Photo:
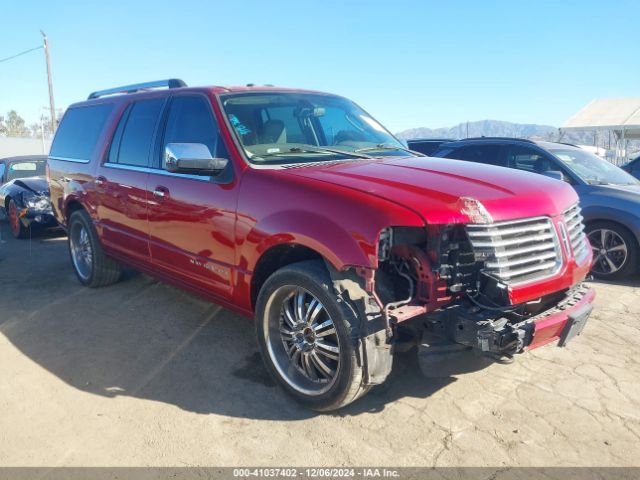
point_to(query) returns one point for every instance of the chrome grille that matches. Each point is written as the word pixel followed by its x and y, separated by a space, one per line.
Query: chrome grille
pixel 517 251
pixel 575 229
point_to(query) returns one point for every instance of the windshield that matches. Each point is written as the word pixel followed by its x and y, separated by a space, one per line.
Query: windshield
pixel 278 128
pixel 592 169
pixel 25 169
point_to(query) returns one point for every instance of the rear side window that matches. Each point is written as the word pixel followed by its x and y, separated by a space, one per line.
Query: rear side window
pixel 487 154
pixel 132 140
pixel 79 132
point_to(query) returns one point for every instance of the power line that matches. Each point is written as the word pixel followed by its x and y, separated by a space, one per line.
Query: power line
pixel 21 53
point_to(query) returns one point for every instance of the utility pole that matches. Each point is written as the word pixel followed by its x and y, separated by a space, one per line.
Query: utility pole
pixel 50 82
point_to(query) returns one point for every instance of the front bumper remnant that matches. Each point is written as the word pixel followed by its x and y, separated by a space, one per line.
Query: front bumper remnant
pixel 467 328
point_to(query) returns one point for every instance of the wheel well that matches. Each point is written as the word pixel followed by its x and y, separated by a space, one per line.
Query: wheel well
pixel 274 259
pixel 72 207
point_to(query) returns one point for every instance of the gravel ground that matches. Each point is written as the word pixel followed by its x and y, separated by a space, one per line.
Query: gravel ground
pixel 142 374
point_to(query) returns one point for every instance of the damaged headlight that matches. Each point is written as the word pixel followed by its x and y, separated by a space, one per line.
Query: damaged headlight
pixel 38 203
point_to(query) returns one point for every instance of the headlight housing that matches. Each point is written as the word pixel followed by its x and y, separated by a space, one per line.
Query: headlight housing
pixel 38 203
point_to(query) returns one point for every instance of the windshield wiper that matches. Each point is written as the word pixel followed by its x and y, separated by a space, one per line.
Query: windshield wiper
pixel 383 146
pixel 355 154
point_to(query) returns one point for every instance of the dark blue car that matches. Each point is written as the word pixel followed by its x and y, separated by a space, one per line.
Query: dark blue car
pixel 633 167
pixel 609 196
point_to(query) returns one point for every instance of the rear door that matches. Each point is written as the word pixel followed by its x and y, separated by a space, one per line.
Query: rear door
pixel 192 218
pixel 122 181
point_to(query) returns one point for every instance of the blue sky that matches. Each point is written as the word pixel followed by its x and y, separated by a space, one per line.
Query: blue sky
pixel 409 63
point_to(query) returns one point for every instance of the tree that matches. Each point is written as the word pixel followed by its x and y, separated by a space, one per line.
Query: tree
pixel 36 129
pixel 15 125
pixel 3 127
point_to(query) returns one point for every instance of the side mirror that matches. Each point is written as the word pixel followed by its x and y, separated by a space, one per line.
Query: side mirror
pixel 555 174
pixel 193 159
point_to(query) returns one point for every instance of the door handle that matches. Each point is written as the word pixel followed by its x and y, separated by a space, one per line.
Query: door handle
pixel 161 193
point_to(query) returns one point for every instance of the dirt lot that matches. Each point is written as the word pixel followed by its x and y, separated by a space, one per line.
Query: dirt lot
pixel 143 374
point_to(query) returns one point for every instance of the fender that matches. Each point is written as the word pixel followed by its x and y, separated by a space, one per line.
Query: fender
pixel 316 231
pixel 604 213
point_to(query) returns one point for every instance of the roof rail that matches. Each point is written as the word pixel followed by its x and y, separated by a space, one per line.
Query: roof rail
pixel 169 83
pixel 498 138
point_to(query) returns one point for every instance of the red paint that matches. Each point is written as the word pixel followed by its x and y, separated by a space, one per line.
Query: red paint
pixel 549 328
pixel 209 237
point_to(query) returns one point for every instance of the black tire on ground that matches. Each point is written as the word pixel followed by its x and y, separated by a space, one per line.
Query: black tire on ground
pixel 347 384
pixel 101 269
pixel 630 265
pixel 13 215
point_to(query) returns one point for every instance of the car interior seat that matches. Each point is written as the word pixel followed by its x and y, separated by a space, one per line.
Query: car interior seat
pixel 273 131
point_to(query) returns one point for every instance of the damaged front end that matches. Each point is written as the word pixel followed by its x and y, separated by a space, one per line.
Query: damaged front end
pixel 488 290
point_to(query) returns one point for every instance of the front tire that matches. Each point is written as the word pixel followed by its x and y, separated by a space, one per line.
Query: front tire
pixel 17 228
pixel 615 251
pixel 91 265
pixel 308 337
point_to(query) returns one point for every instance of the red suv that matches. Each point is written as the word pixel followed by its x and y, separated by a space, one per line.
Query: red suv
pixel 301 210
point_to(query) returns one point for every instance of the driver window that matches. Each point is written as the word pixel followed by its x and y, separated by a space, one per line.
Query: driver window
pixel 190 121
pixel 523 158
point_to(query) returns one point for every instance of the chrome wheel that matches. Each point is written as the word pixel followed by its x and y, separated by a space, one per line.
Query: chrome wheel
pixel 610 251
pixel 302 340
pixel 81 250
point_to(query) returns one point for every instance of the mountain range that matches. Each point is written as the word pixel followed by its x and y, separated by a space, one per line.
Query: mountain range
pixel 498 128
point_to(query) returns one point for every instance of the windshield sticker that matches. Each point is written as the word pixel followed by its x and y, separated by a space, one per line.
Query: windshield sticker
pixel 240 128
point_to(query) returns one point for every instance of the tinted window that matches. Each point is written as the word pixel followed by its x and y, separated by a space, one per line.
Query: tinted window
pixel 117 136
pixel 528 159
pixel 426 147
pixel 2 167
pixel 79 132
pixel 24 169
pixel 190 120
pixel 137 136
pixel 488 154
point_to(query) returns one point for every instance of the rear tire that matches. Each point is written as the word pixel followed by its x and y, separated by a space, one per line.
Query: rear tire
pixel 92 266
pixel 309 338
pixel 615 251
pixel 13 215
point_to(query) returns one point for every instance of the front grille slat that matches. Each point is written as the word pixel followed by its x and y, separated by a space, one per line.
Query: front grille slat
pixel 514 241
pixel 543 267
pixel 517 251
pixel 574 221
pixel 521 261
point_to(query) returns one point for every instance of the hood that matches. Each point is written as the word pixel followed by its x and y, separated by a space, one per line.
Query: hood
pixel 625 193
pixel 433 187
pixel 37 185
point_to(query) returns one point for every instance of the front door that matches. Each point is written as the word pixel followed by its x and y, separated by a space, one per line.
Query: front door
pixel 192 218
